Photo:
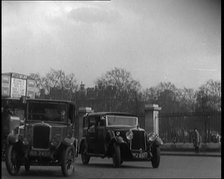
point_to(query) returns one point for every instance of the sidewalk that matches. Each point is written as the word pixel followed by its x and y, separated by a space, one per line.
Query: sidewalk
pixel 187 149
pixel 187 153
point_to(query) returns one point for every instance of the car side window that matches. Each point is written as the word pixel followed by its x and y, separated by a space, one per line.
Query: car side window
pixel 92 121
pixel 92 124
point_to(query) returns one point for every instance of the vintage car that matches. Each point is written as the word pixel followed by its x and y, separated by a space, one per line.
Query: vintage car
pixel 118 136
pixel 45 137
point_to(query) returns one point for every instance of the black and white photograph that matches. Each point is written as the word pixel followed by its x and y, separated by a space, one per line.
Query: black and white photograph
pixel 111 89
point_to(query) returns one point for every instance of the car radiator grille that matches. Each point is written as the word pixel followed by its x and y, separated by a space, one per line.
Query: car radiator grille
pixel 138 141
pixel 41 137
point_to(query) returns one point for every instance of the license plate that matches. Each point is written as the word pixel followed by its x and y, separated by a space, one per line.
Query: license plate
pixel 140 155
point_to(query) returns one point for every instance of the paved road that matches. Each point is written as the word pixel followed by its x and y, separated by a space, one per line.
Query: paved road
pixel 171 167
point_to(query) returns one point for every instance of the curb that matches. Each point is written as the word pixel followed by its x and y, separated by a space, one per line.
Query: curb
pixel 191 154
pixel 190 145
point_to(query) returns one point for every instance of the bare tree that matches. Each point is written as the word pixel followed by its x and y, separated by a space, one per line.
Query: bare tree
pixel 170 98
pixel 208 96
pixel 187 99
pixel 119 88
pixel 39 83
pixel 57 84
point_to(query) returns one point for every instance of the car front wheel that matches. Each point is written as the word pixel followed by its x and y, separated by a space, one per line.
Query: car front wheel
pixel 155 157
pixel 68 161
pixel 12 160
pixel 116 156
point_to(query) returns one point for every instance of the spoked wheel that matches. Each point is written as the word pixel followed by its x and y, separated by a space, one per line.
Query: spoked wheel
pixel 85 157
pixel 68 161
pixel 155 157
pixel 12 160
pixel 116 156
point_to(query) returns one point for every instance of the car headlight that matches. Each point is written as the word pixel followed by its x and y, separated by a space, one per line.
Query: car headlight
pixel 151 136
pixel 129 135
pixel 25 141
pixel 55 140
pixel 117 133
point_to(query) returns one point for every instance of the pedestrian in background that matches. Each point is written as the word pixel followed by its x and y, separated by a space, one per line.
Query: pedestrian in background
pixel 196 140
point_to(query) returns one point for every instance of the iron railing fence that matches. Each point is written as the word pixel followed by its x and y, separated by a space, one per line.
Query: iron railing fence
pixel 178 127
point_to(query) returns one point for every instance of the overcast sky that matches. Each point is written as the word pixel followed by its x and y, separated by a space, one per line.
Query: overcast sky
pixel 156 40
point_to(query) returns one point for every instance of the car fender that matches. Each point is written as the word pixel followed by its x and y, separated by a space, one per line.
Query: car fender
pixel 119 139
pixel 69 141
pixel 154 139
pixel 72 142
pixel 13 138
pixel 114 138
pixel 123 146
pixel 158 141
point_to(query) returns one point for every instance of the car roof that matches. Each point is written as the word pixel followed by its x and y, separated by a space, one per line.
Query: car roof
pixel 50 100
pixel 110 113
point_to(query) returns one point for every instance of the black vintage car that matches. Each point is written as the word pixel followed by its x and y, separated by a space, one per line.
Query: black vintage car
pixel 45 137
pixel 118 136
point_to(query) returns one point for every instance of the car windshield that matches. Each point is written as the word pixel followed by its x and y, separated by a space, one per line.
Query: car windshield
pixel 47 111
pixel 114 120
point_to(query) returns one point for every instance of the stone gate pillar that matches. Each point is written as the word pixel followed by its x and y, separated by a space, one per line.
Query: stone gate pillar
pixel 82 111
pixel 152 118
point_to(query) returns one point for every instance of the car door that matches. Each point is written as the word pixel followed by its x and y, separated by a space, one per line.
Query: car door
pixel 70 120
pixel 91 134
pixel 101 133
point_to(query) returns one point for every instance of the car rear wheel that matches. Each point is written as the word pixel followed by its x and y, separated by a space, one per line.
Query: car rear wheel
pixel 12 160
pixel 155 157
pixel 85 157
pixel 116 156
pixel 68 161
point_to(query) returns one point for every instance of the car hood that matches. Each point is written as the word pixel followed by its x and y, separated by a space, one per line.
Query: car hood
pixel 125 128
pixel 47 123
